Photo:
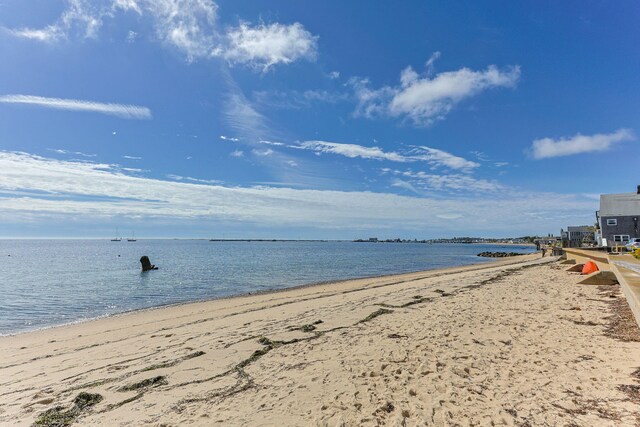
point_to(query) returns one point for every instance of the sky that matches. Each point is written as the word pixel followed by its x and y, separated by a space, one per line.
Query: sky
pixel 306 120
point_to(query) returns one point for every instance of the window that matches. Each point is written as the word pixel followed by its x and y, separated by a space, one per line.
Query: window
pixel 612 222
pixel 621 238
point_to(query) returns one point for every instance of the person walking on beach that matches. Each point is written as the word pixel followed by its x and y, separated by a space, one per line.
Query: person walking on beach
pixel 544 251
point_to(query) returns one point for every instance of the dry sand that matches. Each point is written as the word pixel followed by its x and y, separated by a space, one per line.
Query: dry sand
pixel 512 343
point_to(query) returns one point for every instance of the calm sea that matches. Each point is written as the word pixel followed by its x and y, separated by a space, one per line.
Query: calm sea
pixel 51 282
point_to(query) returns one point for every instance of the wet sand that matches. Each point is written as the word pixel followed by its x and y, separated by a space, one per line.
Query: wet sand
pixel 515 342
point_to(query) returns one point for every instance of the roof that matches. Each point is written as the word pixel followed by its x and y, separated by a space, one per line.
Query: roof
pixel 625 204
pixel 578 228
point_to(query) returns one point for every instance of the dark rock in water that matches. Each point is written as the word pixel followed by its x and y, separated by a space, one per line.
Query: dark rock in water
pixel 146 264
pixel 498 254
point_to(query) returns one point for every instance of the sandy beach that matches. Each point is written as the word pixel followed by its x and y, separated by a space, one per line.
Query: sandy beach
pixel 516 342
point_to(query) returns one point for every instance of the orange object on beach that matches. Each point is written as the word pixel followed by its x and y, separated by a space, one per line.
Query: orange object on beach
pixel 589 267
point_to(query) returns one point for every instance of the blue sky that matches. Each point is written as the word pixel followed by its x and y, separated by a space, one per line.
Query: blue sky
pixel 195 118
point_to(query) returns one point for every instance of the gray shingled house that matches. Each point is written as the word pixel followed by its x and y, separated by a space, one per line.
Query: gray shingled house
pixel 577 236
pixel 618 218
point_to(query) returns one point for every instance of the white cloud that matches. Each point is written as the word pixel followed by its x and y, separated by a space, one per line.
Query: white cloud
pixel 131 36
pixel 237 153
pixel 81 17
pixel 133 170
pixel 77 153
pixel 264 46
pixel 351 150
pixel 48 34
pixel 549 147
pixel 425 99
pixel 120 110
pixel 450 216
pixel 262 153
pixel 187 25
pixel 442 158
pixel 404 184
pixel 455 182
pixel 481 156
pixel 333 75
pixel 430 65
pixel 132 157
pixel 433 156
pixel 275 143
pixel 241 117
pixel 228 138
pixel 190 179
pixel 38 187
pixel 370 102
pixel 127 5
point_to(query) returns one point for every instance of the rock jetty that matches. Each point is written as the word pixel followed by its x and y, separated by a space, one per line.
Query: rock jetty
pixel 498 254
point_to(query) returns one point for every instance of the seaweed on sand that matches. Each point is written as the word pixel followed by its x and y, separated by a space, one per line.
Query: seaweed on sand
pixel 375 314
pixel 60 417
pixel 173 362
pixel 149 382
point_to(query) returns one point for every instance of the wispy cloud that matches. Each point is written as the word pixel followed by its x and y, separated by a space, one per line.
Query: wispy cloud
pixel 351 150
pixel 274 143
pixel 426 98
pixel 237 153
pixel 77 153
pixel 81 17
pixel 242 118
pixel 438 157
pixel 262 153
pixel 228 138
pixel 294 99
pixel 131 170
pixel 548 147
pixel 481 156
pixel 197 180
pixel 433 156
pixel 132 158
pixel 396 182
pixel 124 111
pixel 264 46
pixel 48 34
pixel 187 25
pixel 41 187
pixel 190 26
pixel 131 36
pixel 448 182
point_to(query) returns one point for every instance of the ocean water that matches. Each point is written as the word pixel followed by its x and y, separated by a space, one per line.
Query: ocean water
pixel 52 282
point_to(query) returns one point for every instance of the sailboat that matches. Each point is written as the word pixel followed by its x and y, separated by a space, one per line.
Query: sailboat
pixel 133 237
pixel 116 239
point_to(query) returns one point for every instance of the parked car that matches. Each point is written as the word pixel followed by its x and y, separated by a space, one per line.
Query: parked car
pixel 633 244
